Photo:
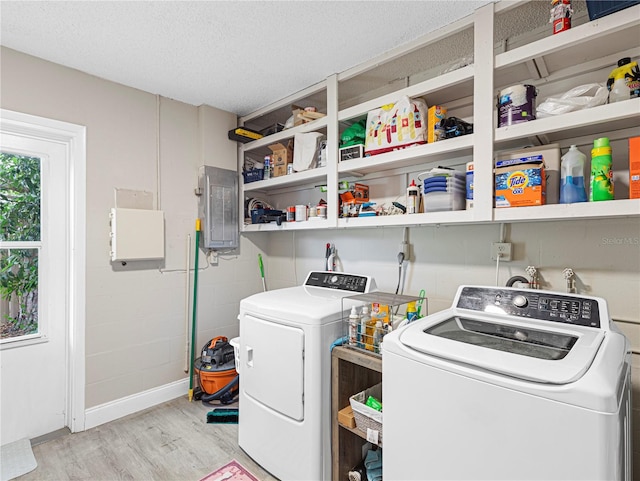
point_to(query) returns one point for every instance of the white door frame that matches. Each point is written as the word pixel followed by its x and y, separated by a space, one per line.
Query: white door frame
pixel 74 137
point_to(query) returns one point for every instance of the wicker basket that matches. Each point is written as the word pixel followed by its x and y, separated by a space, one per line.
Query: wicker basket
pixel 366 417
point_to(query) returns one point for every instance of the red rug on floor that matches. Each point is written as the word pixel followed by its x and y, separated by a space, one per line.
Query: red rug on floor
pixel 233 471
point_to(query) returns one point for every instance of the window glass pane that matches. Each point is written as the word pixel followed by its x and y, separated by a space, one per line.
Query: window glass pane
pixel 18 292
pixel 19 198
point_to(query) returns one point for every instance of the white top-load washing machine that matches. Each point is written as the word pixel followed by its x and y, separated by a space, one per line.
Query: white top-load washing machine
pixel 508 384
pixel 285 373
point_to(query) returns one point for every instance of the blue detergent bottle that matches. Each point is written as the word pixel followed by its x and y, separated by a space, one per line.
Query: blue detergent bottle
pixel 572 177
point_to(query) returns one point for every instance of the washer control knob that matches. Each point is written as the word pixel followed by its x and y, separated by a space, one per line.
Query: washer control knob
pixel 520 301
pixel 333 279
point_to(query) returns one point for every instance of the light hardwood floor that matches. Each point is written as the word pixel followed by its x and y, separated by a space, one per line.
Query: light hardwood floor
pixel 171 441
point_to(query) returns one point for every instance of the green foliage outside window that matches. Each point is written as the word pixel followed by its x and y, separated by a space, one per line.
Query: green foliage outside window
pixel 20 222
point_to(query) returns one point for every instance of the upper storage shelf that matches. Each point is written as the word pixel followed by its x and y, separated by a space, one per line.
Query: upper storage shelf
pixel 515 45
pixel 430 57
pixel 592 45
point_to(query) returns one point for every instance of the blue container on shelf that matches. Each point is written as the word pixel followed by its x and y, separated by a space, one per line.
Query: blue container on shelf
pixel 602 8
pixel 253 175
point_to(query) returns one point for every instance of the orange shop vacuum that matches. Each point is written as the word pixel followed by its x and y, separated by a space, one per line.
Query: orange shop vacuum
pixel 216 372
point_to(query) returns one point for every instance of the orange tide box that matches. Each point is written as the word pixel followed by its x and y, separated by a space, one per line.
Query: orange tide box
pixel 520 182
pixel 634 168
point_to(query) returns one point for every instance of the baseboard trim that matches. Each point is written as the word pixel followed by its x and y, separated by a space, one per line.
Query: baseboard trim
pixel 113 410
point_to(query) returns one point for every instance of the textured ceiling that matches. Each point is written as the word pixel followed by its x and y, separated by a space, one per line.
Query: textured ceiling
pixel 234 55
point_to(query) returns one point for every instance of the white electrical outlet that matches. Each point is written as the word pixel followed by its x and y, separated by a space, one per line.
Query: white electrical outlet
pixel 503 249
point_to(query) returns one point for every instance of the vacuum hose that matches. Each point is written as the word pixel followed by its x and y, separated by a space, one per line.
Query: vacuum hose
pixel 224 395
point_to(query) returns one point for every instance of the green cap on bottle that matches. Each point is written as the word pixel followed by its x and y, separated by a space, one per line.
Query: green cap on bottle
pixel 601 142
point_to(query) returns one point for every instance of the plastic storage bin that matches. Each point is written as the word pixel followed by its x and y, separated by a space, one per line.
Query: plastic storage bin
pixel 253 175
pixel 366 417
pixel 602 8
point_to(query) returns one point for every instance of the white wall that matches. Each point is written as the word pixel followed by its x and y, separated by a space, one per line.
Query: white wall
pixel 135 315
pixel 604 254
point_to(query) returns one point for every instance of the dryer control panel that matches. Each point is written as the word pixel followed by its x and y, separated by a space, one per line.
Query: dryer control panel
pixel 340 280
pixel 547 306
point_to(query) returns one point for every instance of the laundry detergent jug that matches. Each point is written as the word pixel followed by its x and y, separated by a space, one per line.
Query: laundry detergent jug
pixel 572 177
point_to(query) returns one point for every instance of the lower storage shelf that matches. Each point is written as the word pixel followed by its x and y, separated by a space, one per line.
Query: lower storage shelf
pixel 352 371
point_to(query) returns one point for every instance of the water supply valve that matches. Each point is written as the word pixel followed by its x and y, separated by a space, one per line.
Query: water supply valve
pixel 569 277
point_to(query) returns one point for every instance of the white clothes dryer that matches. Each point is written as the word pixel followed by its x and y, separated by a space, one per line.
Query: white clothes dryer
pixel 508 384
pixel 285 373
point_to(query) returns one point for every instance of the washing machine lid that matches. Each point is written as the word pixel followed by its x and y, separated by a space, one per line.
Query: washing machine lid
pixel 528 349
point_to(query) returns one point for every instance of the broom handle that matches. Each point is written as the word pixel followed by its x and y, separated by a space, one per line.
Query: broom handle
pixel 193 320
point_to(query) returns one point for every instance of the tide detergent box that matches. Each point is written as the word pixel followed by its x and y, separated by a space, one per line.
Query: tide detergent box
pixel 520 182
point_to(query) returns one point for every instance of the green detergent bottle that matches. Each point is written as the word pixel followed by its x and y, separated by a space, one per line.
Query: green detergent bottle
pixel 601 174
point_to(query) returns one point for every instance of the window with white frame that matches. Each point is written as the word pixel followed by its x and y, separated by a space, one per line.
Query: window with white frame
pixel 20 244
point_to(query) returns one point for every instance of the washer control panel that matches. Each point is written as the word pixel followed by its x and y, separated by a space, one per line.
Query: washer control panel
pixel 339 280
pixel 533 304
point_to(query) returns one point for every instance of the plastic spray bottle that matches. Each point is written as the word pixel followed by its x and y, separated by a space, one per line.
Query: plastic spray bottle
pixel 601 174
pixel 629 71
pixel 572 177
pixel 412 198
pixel 365 319
pixel 354 326
pixel 619 89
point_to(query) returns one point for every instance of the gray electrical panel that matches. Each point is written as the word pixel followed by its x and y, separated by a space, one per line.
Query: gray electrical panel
pixel 218 207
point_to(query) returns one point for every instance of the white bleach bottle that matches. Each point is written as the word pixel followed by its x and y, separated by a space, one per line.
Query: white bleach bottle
pixel 572 177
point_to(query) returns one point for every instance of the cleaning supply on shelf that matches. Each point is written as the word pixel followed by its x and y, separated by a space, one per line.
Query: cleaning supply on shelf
pixel 619 89
pixel 267 167
pixel 354 323
pixel 601 183
pixel 469 186
pixel 631 75
pixel 412 312
pixel 516 104
pixel 373 403
pixel 365 319
pixel 378 333
pixel 413 193
pixel 572 177
pixel 520 182
pixel 634 168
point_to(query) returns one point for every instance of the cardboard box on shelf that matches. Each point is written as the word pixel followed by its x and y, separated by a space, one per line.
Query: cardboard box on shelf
pixel 634 168
pixel 435 114
pixel 281 156
pixel 346 417
pixel 551 156
pixel 361 193
pixel 520 182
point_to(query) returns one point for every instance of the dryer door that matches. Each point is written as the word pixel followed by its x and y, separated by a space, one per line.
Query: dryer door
pixel 268 351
